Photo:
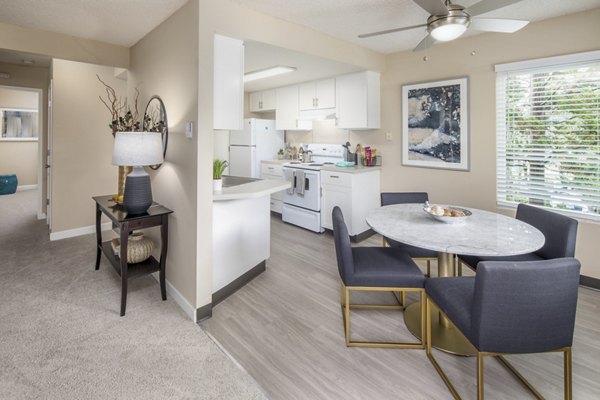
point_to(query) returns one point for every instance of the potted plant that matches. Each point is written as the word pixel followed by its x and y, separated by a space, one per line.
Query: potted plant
pixel 280 154
pixel 218 168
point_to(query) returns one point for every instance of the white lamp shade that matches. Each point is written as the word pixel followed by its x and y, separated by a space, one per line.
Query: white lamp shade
pixel 137 149
pixel 447 32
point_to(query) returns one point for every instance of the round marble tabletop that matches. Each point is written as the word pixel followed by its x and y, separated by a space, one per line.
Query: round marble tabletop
pixel 483 233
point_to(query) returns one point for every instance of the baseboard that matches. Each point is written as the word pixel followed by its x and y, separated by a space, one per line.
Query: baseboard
pixel 234 286
pixel 86 230
pixel 590 282
pixel 21 188
pixel 181 301
pixel 204 312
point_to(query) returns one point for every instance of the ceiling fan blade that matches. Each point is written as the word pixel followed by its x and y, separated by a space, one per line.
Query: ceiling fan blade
pixel 433 7
pixel 426 43
pixel 497 24
pixel 488 5
pixel 366 35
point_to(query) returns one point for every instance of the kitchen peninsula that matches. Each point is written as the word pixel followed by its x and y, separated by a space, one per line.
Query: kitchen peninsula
pixel 241 231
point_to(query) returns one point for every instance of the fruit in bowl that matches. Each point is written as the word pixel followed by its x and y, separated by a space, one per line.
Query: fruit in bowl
pixel 447 214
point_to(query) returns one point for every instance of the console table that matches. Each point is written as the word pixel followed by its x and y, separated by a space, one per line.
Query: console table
pixel 156 215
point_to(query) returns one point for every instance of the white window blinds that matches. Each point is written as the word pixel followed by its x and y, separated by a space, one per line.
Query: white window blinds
pixel 548 136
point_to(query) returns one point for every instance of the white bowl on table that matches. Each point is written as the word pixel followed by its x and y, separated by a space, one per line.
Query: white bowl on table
pixel 458 219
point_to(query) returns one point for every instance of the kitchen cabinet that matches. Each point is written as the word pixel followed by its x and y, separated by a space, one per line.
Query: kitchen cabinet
pixel 262 101
pixel 273 171
pixel 286 110
pixel 358 100
pixel 317 95
pixel 228 83
pixel 356 193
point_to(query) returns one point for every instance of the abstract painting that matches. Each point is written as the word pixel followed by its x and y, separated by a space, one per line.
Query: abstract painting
pixel 435 132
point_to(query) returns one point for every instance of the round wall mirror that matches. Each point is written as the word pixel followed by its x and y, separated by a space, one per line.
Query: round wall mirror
pixel 155 120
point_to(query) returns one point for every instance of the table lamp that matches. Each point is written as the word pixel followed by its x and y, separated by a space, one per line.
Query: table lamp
pixel 137 149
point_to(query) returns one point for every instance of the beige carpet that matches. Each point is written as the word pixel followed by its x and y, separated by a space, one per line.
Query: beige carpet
pixel 61 336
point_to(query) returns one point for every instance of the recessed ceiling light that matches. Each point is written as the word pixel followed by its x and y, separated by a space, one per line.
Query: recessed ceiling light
pixel 267 72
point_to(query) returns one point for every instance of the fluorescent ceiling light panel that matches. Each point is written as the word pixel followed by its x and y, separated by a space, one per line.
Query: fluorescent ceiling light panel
pixel 267 73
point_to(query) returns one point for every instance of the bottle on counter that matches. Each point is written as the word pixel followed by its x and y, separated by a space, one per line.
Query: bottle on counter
pixel 358 155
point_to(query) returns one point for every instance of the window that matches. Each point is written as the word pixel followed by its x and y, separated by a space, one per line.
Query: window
pixel 548 133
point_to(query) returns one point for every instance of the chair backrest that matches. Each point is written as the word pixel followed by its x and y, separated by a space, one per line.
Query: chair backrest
pixel 524 307
pixel 403 198
pixel 343 248
pixel 559 230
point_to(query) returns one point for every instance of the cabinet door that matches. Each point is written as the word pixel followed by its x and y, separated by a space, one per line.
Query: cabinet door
pixel 307 96
pixel 336 196
pixel 268 102
pixel 228 83
pixel 357 100
pixel 325 93
pixel 286 113
pixel 254 100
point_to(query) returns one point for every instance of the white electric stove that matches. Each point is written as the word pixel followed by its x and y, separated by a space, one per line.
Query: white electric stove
pixel 302 202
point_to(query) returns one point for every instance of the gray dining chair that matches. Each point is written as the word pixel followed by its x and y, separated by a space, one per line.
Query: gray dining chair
pixel 417 253
pixel 559 231
pixel 537 317
pixel 378 269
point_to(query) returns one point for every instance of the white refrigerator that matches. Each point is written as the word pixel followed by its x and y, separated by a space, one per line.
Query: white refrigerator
pixel 247 148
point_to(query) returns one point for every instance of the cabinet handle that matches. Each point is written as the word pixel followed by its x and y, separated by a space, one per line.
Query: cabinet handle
pixel 271 168
pixel 317 100
pixel 334 176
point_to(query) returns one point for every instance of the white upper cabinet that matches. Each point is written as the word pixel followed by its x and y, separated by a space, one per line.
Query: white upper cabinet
pixel 262 101
pixel 358 101
pixel 317 95
pixel 286 111
pixel 228 85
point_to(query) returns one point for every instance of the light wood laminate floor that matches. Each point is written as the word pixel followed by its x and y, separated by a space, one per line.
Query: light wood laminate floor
pixel 285 328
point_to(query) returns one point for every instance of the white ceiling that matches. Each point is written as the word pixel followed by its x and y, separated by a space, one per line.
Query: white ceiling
pixel 346 19
pixel 120 22
pixel 260 56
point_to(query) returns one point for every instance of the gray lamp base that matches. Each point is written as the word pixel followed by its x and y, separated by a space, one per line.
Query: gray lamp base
pixel 138 192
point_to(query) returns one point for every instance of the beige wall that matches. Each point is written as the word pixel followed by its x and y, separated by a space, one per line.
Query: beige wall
pixel 476 188
pixel 36 78
pixel 20 158
pixel 165 63
pixel 62 46
pixel 15 98
pixel 81 142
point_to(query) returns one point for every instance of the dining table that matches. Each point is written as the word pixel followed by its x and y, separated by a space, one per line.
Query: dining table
pixel 482 233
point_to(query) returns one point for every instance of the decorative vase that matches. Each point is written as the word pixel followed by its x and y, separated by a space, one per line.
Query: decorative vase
pixel 139 248
pixel 217 185
pixel 123 172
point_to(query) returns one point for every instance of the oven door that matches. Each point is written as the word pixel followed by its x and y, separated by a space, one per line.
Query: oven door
pixel 307 189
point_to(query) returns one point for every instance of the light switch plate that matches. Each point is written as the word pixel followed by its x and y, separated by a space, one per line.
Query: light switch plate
pixel 189 129
pixel 388 136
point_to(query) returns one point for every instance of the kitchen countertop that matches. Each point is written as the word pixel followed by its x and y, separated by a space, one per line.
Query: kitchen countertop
pixel 278 162
pixel 250 190
pixel 349 170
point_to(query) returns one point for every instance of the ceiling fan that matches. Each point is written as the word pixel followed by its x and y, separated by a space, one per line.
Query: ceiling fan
pixel 448 21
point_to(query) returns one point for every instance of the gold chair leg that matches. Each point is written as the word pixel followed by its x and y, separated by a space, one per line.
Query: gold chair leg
pixel 520 377
pixel 568 363
pixel 347 316
pixel 424 320
pixel 479 376
pixel 385 243
pixel 342 298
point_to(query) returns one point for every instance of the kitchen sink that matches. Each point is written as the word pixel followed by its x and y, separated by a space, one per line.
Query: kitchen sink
pixel 229 181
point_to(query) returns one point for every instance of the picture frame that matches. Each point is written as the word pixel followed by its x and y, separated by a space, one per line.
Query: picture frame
pixel 435 124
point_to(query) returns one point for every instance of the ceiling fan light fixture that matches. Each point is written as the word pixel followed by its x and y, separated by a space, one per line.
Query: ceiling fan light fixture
pixel 447 32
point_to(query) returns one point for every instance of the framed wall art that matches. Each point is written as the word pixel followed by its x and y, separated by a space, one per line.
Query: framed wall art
pixel 435 124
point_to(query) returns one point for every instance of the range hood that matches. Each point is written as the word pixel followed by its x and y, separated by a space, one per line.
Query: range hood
pixel 317 115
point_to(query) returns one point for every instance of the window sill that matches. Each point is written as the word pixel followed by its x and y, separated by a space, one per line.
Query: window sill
pixel 582 217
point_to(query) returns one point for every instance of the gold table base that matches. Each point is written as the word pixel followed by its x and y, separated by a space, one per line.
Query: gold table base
pixel 445 338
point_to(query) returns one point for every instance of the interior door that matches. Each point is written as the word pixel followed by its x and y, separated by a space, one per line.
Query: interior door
pixel 48 165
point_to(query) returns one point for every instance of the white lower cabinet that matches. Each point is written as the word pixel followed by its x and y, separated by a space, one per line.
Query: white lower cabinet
pixel 273 171
pixel 355 193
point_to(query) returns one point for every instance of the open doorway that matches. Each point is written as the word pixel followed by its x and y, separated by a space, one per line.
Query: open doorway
pixel 21 121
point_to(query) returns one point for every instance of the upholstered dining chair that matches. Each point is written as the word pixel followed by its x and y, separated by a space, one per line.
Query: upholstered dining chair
pixel 374 269
pixel 559 230
pixel 417 253
pixel 537 317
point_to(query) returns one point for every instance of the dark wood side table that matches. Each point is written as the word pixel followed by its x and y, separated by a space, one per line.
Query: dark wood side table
pixel 156 215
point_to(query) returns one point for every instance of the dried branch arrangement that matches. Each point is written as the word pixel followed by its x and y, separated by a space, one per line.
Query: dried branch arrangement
pixel 123 119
